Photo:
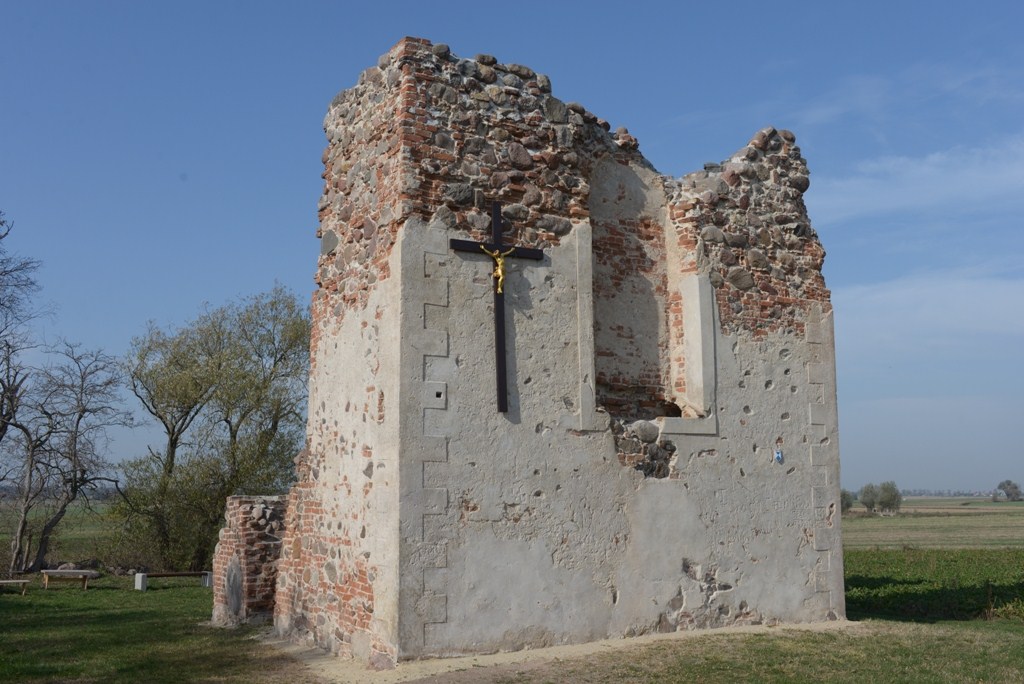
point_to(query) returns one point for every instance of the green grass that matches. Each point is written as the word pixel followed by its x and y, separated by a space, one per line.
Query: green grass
pixel 111 633
pixel 934 584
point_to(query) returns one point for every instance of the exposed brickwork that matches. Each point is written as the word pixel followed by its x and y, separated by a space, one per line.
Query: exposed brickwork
pixel 245 562
pixel 632 361
pixel 325 589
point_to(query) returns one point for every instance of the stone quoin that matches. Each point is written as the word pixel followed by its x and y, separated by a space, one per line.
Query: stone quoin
pixel 669 457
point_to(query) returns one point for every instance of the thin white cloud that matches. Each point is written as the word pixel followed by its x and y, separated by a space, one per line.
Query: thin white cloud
pixel 958 180
pixel 988 85
pixel 891 97
pixel 951 313
pixel 868 97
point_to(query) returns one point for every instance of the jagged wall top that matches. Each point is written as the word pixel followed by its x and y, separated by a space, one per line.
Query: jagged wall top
pixel 426 133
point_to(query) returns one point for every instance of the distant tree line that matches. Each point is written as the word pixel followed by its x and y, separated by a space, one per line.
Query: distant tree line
pixel 886 497
pixel 883 498
pixel 947 492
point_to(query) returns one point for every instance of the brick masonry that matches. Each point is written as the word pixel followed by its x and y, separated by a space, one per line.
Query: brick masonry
pixel 246 559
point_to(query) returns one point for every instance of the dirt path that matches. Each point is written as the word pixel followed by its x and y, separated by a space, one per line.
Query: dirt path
pixel 505 666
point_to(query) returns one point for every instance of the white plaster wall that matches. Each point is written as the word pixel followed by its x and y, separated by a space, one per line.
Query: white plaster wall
pixel 521 530
pixel 735 517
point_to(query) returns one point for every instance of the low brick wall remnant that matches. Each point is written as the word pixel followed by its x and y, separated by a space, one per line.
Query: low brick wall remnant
pixel 245 561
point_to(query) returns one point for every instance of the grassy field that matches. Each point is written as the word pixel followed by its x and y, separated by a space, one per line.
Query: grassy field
pixel 922 614
pixel 111 633
pixel 83 533
pixel 949 523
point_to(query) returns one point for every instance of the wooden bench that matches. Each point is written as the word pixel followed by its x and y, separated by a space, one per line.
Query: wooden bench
pixel 23 583
pixel 142 578
pixel 82 576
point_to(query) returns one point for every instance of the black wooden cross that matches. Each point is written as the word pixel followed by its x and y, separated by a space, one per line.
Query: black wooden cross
pixel 498 252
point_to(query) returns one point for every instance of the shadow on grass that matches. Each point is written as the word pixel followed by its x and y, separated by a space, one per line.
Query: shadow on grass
pixel 920 603
pixel 929 585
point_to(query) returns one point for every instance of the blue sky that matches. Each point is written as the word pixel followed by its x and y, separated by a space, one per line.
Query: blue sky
pixel 156 156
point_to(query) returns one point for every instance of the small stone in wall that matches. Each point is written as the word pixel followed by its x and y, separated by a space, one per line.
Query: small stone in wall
pixel 712 234
pixel 736 239
pixel 555 224
pixel 519 157
pixel 555 110
pixel 757 259
pixel 645 430
pixel 800 183
pixel 487 74
pixel 520 70
pixel 515 212
pixel 329 242
pixel 445 217
pixel 740 278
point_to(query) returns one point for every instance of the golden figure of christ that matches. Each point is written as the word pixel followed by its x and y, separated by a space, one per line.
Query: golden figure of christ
pixel 499 265
pixel 498 254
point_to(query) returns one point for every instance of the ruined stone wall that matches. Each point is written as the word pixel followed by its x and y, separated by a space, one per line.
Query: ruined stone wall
pixel 339 560
pixel 245 560
pixel 676 335
pixel 746 220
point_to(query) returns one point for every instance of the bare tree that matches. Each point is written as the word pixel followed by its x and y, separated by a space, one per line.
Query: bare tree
pixel 17 284
pixel 58 441
pixel 53 418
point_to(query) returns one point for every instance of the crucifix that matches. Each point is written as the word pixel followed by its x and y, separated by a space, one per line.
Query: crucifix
pixel 498 252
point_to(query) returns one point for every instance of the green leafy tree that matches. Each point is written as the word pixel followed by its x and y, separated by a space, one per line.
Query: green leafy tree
pixel 889 497
pixel 229 392
pixel 1011 490
pixel 845 500
pixel 868 496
